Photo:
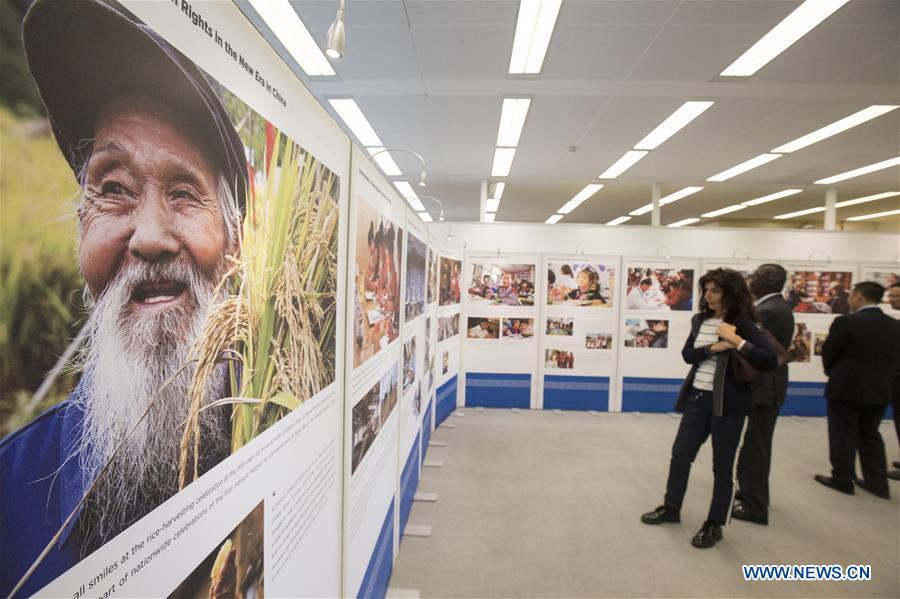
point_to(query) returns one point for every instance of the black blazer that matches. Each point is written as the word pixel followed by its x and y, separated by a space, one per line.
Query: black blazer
pixel 729 395
pixel 776 316
pixel 860 355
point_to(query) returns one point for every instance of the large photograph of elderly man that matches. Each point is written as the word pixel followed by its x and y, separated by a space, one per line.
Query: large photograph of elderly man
pixel 169 269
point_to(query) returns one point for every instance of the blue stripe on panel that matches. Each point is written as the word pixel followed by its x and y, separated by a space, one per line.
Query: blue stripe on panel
pixel 576 393
pixel 494 390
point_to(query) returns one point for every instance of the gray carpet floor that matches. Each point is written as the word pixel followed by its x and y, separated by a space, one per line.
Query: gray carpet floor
pixel 535 504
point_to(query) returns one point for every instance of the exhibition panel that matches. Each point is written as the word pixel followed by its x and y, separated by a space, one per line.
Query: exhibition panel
pixel 430 341
pixel 201 447
pixel 447 314
pixel 500 308
pixel 579 330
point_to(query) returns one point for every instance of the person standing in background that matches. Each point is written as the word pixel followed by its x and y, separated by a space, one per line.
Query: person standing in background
pixel 893 294
pixel 860 356
pixel 769 393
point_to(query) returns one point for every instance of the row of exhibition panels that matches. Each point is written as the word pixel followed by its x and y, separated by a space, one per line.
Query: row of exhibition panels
pixel 582 333
pixel 334 479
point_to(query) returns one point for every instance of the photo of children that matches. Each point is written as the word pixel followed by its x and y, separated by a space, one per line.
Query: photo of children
pixel 818 292
pixel 800 344
pixel 820 341
pixel 448 327
pixel 445 362
pixel 576 284
pixel 646 333
pixel 660 289
pixel 451 271
pixel 432 276
pixel 483 328
pixel 559 358
pixel 560 326
pixel 415 276
pixel 377 292
pixel 505 284
pixel 370 413
pixel 409 363
pixel 234 569
pixel 518 328
pixel 598 341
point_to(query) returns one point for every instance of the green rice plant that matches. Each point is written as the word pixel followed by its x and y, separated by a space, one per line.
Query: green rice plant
pixel 276 327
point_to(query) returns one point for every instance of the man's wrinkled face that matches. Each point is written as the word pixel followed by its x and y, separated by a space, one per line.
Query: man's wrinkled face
pixel 150 196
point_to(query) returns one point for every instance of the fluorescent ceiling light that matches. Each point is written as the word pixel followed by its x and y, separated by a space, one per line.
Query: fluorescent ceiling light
pixel 580 197
pixel 864 199
pixel 354 118
pixel 489 217
pixel 554 219
pixel 623 164
pixel 491 205
pixel 503 158
pixel 726 210
pixel 293 34
pixel 498 189
pixel 642 210
pixel 416 204
pixel 858 118
pixel 771 197
pixel 426 217
pixel 534 27
pixel 405 189
pixel 744 167
pixel 863 170
pixel 681 193
pixel 512 119
pixel 618 221
pixel 672 125
pixel 800 213
pixel 875 215
pixel 782 36
pixel 681 223
pixel 385 162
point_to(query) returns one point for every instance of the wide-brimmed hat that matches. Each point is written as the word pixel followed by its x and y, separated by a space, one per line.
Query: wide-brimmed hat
pixel 83 54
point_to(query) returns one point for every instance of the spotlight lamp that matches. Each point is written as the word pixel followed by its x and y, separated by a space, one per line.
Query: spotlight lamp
pixel 336 38
pixel 422 176
pixel 440 203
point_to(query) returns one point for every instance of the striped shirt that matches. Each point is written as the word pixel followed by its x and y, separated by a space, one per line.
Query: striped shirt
pixel 706 371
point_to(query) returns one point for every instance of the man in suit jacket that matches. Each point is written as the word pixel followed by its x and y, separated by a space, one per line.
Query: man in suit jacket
pixel 859 356
pixel 893 294
pixel 769 392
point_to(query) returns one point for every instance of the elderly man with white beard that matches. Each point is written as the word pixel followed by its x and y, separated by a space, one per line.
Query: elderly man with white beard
pixel 163 175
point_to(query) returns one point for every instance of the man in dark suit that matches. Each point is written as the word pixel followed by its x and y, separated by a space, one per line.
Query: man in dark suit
pixel 859 356
pixel 893 294
pixel 769 392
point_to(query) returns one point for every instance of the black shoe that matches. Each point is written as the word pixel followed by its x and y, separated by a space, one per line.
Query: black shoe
pixel 833 484
pixel 895 464
pixel 708 535
pixel 660 515
pixel 894 474
pixel 741 512
pixel 865 486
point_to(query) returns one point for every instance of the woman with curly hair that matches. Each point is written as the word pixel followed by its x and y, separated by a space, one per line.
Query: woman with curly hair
pixel 714 403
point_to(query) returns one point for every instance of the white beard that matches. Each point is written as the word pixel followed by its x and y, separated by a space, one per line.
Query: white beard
pixel 129 359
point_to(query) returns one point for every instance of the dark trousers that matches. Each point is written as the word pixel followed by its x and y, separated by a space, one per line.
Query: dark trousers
pixel 852 427
pixel 755 459
pixel 897 414
pixel 697 424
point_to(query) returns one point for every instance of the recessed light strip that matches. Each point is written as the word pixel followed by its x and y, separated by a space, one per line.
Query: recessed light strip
pixel 629 159
pixel 503 159
pixel 618 221
pixel 553 219
pixel 491 205
pixel 800 213
pixel 744 167
pixel 534 28
pixel 875 215
pixel 672 125
pixel 580 197
pixel 863 170
pixel 353 117
pixel 864 199
pixel 681 193
pixel 286 25
pixel 512 119
pixel 489 217
pixel 771 197
pixel 858 118
pixel 425 217
pixel 726 210
pixel 385 162
pixel 682 223
pixel 797 24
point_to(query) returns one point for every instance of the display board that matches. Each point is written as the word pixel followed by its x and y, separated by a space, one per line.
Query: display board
pixel 447 315
pixel 429 376
pixel 658 298
pixel 374 380
pixel 500 309
pixel 578 330
pixel 151 479
pixel 886 273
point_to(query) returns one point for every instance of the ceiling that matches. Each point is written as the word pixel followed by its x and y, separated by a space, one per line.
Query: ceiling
pixel 430 76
